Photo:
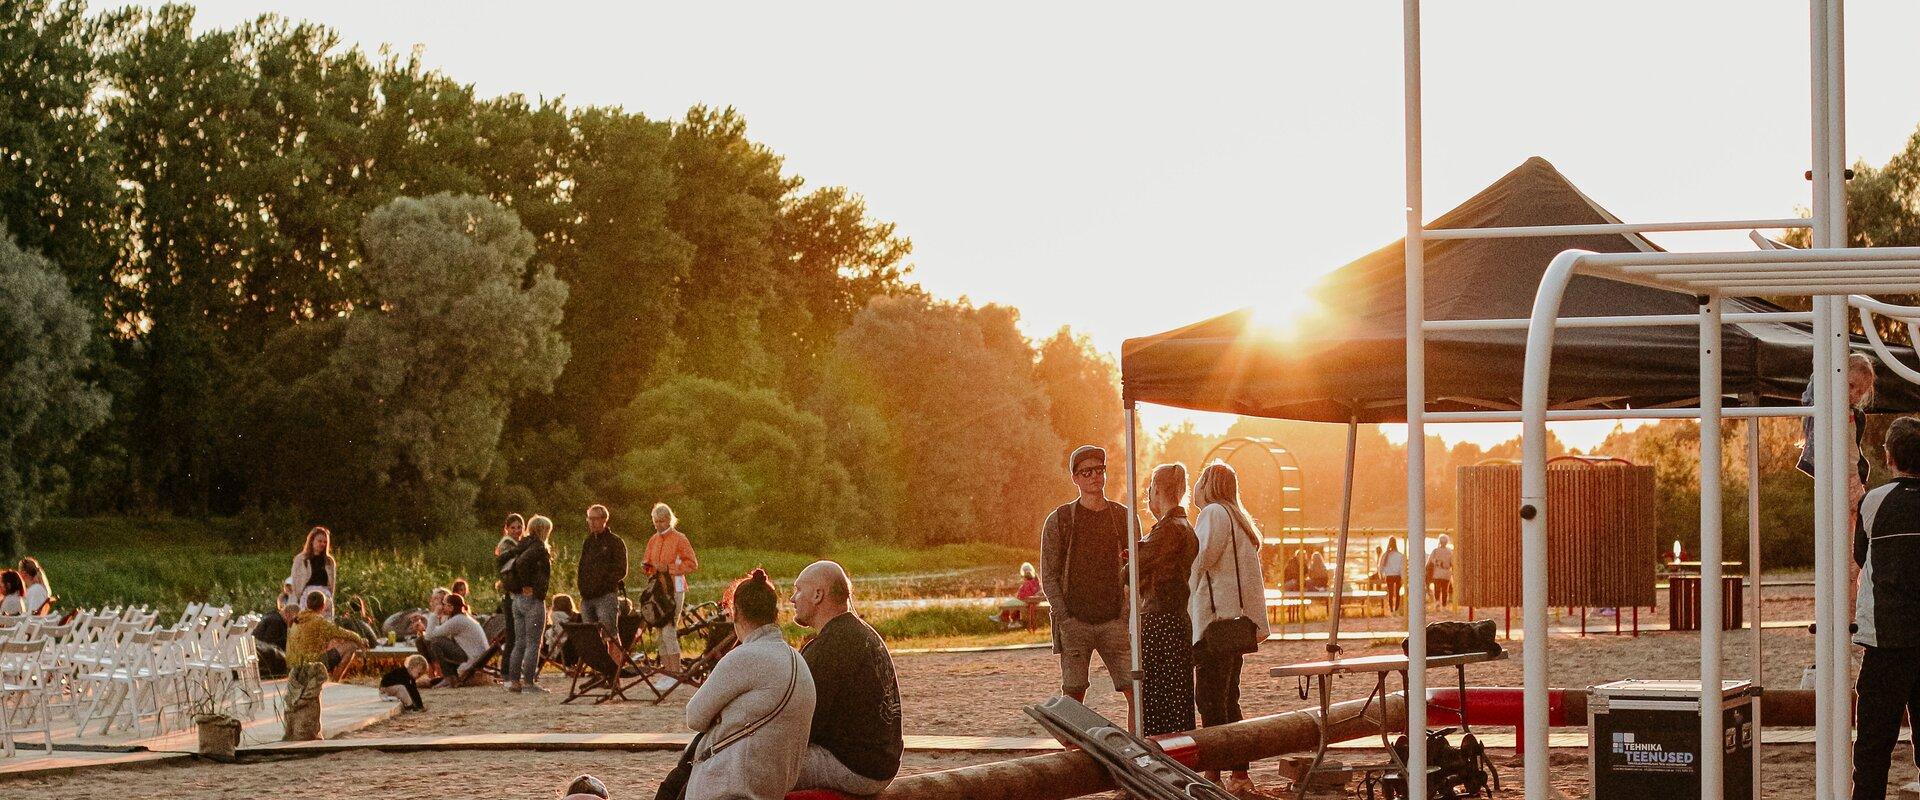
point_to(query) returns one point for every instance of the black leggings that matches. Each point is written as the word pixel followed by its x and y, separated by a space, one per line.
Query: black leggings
pixel 1216 690
pixel 1393 594
pixel 1889 684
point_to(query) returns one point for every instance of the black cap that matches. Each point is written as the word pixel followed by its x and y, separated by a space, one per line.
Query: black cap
pixel 1084 452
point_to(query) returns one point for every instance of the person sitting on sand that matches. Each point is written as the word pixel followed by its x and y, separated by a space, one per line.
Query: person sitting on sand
pixel 562 612
pixel 854 745
pixel 40 597
pixel 456 644
pixel 357 620
pixel 755 708
pixel 1887 548
pixel 313 637
pixel 402 683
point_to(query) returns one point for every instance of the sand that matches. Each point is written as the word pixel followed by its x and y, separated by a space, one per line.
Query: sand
pixel 946 693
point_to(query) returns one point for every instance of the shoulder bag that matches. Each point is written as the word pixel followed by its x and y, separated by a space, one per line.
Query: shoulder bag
pixel 674 786
pixel 1237 635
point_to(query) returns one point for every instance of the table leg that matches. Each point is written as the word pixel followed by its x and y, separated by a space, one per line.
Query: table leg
pixel 1325 697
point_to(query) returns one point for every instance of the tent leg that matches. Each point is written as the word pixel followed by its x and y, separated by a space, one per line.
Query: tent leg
pixel 1346 523
pixel 1136 719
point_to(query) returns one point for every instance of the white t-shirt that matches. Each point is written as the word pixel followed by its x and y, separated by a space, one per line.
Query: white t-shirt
pixel 1441 561
pixel 36 597
pixel 1393 564
pixel 12 605
pixel 466 632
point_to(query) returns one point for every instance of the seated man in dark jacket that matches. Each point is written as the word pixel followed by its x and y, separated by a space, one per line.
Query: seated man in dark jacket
pixel 855 743
pixel 1887 614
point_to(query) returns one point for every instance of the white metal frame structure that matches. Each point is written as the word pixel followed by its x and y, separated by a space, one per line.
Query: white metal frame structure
pixel 1829 273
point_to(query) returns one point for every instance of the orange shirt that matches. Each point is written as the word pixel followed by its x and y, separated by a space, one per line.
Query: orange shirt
pixel 662 547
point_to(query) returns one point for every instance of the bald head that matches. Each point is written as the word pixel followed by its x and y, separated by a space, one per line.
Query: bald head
pixel 821 592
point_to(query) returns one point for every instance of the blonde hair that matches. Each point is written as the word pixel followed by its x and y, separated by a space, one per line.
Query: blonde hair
pixel 416 662
pixel 540 527
pixel 1219 485
pixel 1169 483
pixel 663 510
pixel 1026 569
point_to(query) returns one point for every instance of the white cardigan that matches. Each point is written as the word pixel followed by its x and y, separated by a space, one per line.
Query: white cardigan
pixel 746 685
pixel 1216 592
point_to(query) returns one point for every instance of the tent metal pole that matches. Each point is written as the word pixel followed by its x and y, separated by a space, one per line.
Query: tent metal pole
pixel 1346 525
pixel 1835 187
pixel 1416 556
pixel 1756 669
pixel 1136 716
pixel 1712 533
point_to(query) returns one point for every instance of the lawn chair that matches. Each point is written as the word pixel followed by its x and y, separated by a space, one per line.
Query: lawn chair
pixel 595 673
pixel 717 632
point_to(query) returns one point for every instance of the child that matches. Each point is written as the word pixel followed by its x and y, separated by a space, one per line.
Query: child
pixel 562 613
pixel 401 683
pixel 1011 613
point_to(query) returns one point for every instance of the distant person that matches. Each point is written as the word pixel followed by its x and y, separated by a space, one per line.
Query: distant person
pixel 13 594
pixel 357 620
pixel 456 644
pixel 313 566
pixel 459 587
pixel 532 569
pixel 585 787
pixel 669 560
pixel 510 535
pixel 313 638
pixel 755 708
pixel 1887 616
pixel 1166 628
pixel 1440 572
pixel 602 574
pixel 39 596
pixel 1013 612
pixel 402 683
pixel 1080 566
pixel 560 611
pixel 1319 576
pixel 1227 584
pixel 855 743
pixel 1393 573
pixel 270 634
pixel 1860 380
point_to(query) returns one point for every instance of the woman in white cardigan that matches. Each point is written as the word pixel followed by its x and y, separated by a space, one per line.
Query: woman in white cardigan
pixel 313 567
pixel 1226 582
pixel 756 709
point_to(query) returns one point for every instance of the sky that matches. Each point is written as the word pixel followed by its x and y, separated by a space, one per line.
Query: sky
pixel 1127 169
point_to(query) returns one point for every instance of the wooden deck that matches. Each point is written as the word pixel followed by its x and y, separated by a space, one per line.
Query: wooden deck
pixel 629 742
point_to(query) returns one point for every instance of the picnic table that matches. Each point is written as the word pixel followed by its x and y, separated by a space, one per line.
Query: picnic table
pixel 1321 674
pixel 1281 601
pixel 376 657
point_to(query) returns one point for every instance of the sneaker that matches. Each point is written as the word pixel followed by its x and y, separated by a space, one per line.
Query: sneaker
pixel 535 689
pixel 513 687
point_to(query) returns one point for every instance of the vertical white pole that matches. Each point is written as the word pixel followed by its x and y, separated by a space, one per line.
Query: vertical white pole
pixel 1136 720
pixel 1755 669
pixel 1712 609
pixel 1835 187
pixel 1416 555
pixel 1346 523
pixel 1824 783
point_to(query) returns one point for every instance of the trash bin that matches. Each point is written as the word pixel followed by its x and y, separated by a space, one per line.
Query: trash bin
pixel 1646 739
pixel 1683 603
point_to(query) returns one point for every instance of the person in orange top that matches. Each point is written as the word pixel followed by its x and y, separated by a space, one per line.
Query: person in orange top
pixel 670 559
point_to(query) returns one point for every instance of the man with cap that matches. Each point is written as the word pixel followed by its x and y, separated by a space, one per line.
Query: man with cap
pixel 1081 550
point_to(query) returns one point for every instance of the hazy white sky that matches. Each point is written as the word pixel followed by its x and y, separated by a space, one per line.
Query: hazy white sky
pixel 1125 170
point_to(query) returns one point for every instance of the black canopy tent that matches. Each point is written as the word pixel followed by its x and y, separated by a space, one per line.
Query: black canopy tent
pixel 1346 361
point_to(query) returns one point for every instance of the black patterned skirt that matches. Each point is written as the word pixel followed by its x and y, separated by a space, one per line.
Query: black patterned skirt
pixel 1166 658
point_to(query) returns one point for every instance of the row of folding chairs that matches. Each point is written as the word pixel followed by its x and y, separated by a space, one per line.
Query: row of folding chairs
pixel 117 668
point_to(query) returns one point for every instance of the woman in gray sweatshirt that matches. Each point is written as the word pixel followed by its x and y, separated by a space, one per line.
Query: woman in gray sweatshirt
pixel 756 709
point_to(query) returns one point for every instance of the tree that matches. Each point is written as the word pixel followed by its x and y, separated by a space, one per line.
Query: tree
pixel 46 403
pixel 1083 391
pixel 390 416
pixel 975 451
pixel 740 464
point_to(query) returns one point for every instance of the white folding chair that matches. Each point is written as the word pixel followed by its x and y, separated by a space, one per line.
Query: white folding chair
pixel 24 689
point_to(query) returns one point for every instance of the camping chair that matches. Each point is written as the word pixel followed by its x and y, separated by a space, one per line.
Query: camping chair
pixel 718 634
pixel 595 673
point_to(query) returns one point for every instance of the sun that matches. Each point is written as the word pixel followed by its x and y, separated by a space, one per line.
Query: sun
pixel 1285 314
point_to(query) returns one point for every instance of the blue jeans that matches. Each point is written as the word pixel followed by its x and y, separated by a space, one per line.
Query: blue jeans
pixel 529 622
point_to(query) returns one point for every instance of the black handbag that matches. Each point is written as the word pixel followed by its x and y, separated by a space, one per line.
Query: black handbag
pixel 674 785
pixel 1236 635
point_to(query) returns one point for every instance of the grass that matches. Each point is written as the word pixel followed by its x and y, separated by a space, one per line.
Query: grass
pixel 167 563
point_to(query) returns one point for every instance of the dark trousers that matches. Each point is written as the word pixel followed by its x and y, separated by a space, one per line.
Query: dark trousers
pixel 1393 594
pixel 506 645
pixel 446 654
pixel 1216 690
pixel 1443 591
pixel 1889 684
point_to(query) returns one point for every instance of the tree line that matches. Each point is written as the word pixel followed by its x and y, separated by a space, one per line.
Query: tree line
pixel 255 271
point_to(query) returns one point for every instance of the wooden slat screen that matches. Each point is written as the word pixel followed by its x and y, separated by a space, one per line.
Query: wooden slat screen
pixel 1601 533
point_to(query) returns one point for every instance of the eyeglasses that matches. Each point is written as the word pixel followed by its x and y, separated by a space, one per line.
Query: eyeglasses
pixel 1090 472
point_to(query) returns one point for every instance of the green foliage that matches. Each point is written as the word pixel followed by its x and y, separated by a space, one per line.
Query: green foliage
pixel 968 421
pixel 394 412
pixel 741 465
pixel 1083 392
pixel 46 401
pixel 922 623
